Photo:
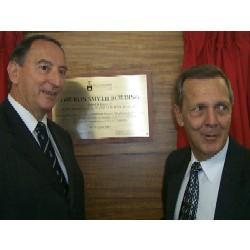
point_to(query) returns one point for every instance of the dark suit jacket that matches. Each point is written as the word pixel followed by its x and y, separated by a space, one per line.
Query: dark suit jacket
pixel 28 185
pixel 233 200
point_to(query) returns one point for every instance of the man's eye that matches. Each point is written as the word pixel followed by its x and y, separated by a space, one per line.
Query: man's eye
pixel 222 107
pixel 44 67
pixel 198 108
pixel 62 72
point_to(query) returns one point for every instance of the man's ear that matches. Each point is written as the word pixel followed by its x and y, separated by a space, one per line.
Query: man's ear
pixel 178 115
pixel 13 71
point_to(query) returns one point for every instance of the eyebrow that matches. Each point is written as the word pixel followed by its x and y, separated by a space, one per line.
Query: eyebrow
pixel 223 103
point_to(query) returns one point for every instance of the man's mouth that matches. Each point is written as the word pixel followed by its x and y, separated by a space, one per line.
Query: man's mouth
pixel 210 137
pixel 50 92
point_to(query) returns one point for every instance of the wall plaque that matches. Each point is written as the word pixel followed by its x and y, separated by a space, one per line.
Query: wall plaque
pixel 105 107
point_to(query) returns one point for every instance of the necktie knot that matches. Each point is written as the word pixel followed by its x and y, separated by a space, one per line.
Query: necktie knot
pixel 42 134
pixel 196 167
pixel 40 128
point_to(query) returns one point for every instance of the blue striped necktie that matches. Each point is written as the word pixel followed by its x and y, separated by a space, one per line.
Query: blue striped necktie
pixel 48 150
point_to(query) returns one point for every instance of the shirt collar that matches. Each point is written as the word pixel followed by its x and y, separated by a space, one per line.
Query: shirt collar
pixel 212 165
pixel 29 120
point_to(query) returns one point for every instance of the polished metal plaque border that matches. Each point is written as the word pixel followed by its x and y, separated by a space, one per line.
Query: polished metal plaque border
pixel 112 107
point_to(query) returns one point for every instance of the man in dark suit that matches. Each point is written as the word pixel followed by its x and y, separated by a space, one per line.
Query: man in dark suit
pixel 211 178
pixel 37 182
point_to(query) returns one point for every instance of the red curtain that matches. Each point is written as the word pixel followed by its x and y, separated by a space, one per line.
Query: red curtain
pixel 8 41
pixel 231 52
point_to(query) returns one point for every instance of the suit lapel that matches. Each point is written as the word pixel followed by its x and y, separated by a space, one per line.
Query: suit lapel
pixel 66 155
pixel 62 147
pixel 230 183
pixel 24 143
pixel 175 180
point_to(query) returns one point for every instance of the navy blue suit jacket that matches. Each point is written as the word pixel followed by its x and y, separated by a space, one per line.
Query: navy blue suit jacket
pixel 28 185
pixel 233 200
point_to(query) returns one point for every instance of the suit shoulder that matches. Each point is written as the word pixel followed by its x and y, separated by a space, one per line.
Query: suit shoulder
pixel 2 118
pixel 4 130
pixel 177 158
pixel 179 153
pixel 3 121
pixel 245 155
pixel 239 150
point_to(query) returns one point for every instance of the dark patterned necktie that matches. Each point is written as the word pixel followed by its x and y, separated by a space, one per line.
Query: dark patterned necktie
pixel 47 148
pixel 191 196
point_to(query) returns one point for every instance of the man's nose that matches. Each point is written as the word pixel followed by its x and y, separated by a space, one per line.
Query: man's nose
pixel 211 117
pixel 55 78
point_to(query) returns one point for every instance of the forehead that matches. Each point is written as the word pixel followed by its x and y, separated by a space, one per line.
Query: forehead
pixel 47 50
pixel 205 88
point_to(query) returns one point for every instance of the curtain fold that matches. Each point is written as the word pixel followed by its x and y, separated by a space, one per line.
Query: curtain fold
pixel 8 41
pixel 231 52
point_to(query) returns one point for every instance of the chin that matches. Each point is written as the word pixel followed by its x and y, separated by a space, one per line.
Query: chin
pixel 47 108
pixel 212 151
pixel 48 104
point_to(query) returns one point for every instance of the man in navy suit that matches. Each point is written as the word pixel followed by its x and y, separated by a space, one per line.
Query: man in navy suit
pixel 29 185
pixel 203 105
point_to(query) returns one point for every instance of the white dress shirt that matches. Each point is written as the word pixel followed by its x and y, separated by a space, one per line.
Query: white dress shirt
pixel 31 122
pixel 209 183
